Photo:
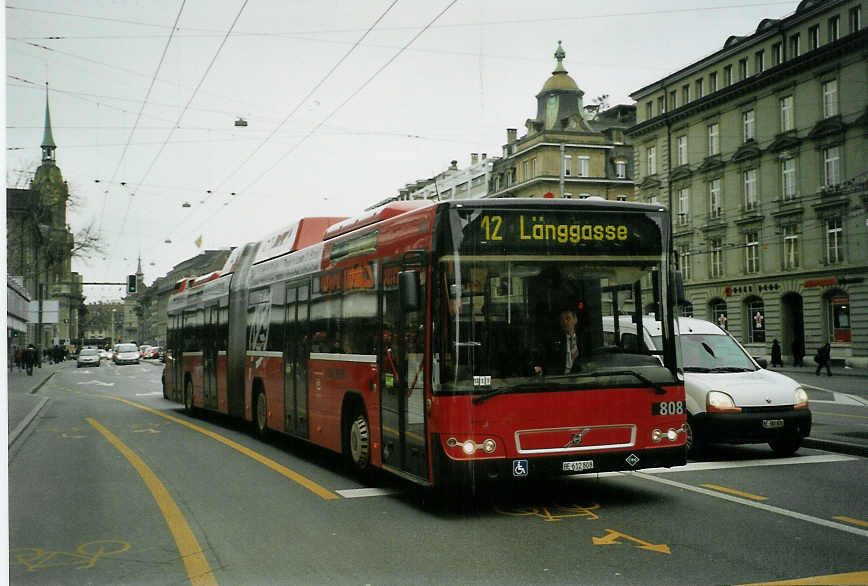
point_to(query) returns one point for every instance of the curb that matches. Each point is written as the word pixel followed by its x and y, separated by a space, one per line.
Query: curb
pixel 13 435
pixel 836 446
pixel 839 373
pixel 41 384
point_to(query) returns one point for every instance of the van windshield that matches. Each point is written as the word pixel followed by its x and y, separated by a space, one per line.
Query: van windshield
pixel 713 353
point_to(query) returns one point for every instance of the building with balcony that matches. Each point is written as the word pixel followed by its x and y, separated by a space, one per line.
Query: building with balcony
pixel 759 151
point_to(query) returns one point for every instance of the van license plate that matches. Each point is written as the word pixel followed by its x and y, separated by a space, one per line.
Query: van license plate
pixel 578 466
pixel 773 423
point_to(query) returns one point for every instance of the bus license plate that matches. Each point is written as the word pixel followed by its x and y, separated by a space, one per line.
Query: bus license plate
pixel 773 423
pixel 578 466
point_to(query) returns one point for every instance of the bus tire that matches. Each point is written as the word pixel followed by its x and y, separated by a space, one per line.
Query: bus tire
pixel 188 397
pixel 260 414
pixel 358 446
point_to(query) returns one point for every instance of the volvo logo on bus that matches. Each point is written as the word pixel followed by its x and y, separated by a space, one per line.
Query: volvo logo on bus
pixel 576 440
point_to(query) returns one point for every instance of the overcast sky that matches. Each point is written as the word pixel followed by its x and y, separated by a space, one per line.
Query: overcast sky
pixel 346 101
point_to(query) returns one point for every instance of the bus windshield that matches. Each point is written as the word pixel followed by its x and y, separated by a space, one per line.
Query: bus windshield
pixel 506 308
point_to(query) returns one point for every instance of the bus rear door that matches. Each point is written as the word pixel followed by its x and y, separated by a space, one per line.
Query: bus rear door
pixel 297 353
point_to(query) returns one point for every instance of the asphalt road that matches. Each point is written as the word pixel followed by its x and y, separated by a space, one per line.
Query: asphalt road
pixel 111 484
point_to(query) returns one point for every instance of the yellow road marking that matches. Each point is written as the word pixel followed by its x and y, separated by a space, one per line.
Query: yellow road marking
pixel 197 566
pixel 307 483
pixel 612 537
pixel 852 520
pixel 848 578
pixel 747 495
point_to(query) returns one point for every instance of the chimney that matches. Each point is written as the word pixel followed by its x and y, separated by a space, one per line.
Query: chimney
pixel 453 166
pixel 474 158
pixel 510 135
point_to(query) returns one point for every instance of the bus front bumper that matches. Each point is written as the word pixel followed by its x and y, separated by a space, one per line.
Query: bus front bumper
pixel 449 470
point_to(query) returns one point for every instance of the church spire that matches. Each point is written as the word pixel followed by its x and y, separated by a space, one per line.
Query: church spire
pixel 48 145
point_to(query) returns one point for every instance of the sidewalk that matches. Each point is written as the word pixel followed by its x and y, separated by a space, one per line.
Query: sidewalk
pixel 812 368
pixel 23 401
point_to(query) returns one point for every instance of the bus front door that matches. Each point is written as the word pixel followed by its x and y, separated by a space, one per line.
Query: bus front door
pixel 402 399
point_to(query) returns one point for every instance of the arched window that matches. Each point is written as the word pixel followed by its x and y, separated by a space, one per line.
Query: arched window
pixel 837 310
pixel 687 309
pixel 717 308
pixel 755 320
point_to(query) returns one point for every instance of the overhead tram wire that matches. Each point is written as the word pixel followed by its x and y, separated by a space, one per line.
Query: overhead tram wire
pixel 336 110
pixel 519 21
pixel 184 111
pixel 139 115
pixel 308 95
pixel 297 107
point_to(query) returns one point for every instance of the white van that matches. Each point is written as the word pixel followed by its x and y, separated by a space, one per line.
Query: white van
pixel 730 397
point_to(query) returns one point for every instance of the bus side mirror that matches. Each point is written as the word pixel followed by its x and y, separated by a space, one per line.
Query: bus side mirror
pixel 408 288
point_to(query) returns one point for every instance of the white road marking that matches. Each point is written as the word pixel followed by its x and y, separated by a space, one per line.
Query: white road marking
pixel 692 466
pixel 96 382
pixel 839 398
pixel 754 504
pixel 154 394
pixel 355 493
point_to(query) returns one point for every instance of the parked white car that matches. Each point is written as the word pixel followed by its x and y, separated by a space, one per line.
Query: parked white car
pixel 730 397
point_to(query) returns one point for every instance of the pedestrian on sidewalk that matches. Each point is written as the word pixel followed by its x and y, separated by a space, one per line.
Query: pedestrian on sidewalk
pixel 823 358
pixel 798 352
pixel 776 353
pixel 30 357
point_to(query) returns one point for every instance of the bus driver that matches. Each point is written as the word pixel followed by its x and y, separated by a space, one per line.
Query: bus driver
pixel 561 350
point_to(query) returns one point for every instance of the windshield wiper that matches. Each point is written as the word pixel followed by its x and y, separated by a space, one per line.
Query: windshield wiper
pixel 527 386
pixel 565 382
pixel 658 388
pixel 730 369
pixel 696 369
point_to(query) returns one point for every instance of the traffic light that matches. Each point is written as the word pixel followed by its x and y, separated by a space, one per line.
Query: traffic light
pixel 131 283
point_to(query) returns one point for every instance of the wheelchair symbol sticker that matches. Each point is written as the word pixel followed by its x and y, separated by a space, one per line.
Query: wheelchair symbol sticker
pixel 519 468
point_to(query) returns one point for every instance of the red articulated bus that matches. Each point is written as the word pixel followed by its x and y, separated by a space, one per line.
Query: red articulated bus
pixel 422 338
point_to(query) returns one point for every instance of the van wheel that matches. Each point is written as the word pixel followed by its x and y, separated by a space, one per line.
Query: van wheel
pixel 786 446
pixel 188 397
pixel 260 416
pixel 358 450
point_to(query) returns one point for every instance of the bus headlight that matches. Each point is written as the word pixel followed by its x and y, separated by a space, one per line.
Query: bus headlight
pixel 469 447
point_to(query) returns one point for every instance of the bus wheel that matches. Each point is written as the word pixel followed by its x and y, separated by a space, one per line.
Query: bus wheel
pixel 359 436
pixel 261 414
pixel 188 397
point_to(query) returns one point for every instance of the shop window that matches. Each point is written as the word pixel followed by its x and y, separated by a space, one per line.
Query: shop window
pixel 839 316
pixel 756 320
